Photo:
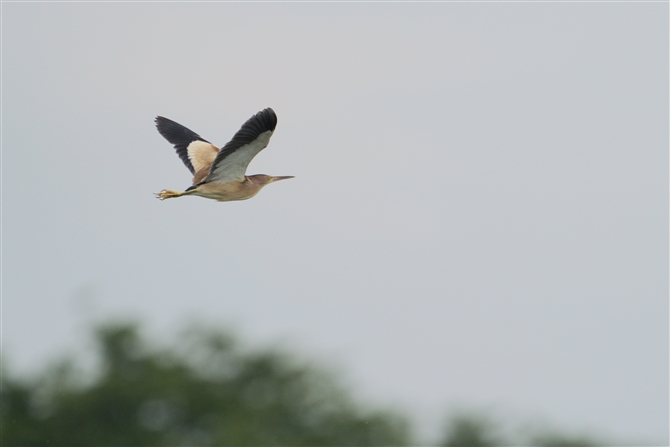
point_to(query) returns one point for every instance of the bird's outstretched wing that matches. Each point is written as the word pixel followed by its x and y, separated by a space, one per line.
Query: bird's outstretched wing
pixel 254 135
pixel 196 152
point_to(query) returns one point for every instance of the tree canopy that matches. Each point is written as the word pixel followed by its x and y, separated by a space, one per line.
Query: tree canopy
pixel 206 392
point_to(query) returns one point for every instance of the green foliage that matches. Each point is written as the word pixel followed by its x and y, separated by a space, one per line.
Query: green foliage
pixel 561 440
pixel 476 429
pixel 470 430
pixel 204 392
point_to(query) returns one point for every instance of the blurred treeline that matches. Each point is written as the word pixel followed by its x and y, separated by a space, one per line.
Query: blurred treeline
pixel 209 391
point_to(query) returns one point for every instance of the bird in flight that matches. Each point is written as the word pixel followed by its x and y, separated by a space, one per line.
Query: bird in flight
pixel 219 174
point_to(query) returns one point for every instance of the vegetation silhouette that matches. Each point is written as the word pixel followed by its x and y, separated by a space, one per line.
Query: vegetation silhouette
pixel 207 391
pixel 478 429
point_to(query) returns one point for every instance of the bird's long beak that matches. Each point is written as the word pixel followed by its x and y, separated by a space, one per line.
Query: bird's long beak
pixel 281 177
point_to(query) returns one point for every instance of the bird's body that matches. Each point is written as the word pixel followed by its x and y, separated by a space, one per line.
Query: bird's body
pixel 219 174
pixel 225 191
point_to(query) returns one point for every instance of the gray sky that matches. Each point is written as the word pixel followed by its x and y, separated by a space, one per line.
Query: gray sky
pixel 479 214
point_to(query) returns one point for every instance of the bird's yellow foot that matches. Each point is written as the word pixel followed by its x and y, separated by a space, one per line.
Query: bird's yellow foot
pixel 167 194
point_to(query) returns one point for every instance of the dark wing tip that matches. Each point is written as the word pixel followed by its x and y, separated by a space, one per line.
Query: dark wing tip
pixel 172 130
pixel 261 122
pixel 268 118
pixel 179 136
pixel 162 122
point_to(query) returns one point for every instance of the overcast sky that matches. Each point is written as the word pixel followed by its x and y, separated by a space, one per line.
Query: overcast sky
pixel 479 214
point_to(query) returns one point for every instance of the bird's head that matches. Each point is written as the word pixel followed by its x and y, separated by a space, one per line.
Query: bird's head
pixel 262 179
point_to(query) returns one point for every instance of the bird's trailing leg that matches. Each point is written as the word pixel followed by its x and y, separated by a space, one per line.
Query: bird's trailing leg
pixel 167 194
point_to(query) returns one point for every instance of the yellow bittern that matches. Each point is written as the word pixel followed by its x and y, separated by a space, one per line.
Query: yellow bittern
pixel 220 174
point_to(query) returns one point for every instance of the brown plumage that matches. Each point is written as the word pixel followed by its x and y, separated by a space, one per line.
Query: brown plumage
pixel 220 174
